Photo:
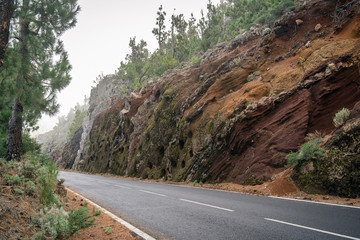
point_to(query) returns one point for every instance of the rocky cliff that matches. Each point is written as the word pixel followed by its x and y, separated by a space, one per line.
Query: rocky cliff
pixel 238 113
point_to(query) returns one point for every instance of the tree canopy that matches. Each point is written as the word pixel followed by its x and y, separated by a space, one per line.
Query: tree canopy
pixel 36 65
pixel 187 39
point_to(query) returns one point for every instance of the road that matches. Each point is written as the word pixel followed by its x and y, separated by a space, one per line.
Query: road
pixel 178 212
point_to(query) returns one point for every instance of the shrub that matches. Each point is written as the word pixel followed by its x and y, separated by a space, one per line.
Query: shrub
pixel 80 219
pixel 314 136
pixel 195 60
pixel 97 213
pixel 108 230
pixel 18 191
pixel 341 117
pixel 13 180
pixel 53 223
pixel 30 187
pixel 195 182
pixel 29 144
pixel 56 223
pixel 46 184
pixel 28 169
pixel 307 152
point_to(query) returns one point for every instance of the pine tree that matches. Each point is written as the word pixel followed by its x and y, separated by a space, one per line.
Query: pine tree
pixel 6 9
pixel 134 69
pixel 160 30
pixel 178 37
pixel 36 64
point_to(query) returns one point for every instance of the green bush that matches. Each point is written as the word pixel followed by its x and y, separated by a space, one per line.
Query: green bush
pixel 53 223
pixel 341 117
pixel 79 219
pixel 108 230
pixel 307 152
pixel 195 60
pixel 97 213
pixel 18 191
pixel 30 187
pixel 56 223
pixel 29 144
pixel 13 180
pixel 47 180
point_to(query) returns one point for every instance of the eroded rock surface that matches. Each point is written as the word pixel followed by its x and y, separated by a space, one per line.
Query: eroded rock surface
pixel 236 115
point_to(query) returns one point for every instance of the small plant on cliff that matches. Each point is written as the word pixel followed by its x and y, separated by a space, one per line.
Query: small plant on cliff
pixel 341 117
pixel 307 152
pixel 195 60
pixel 301 62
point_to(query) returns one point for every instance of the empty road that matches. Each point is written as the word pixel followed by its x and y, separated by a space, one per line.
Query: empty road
pixel 177 212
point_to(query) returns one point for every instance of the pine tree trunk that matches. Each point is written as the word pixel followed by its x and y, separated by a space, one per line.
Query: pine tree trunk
pixel 14 141
pixel 6 9
pixel 172 42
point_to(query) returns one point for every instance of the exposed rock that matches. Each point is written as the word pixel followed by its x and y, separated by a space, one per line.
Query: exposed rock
pixel 299 22
pixel 307 168
pixel 70 151
pixel 317 27
pixel 209 123
pixel 266 31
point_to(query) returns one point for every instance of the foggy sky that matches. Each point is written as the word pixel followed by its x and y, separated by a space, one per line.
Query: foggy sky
pixel 100 41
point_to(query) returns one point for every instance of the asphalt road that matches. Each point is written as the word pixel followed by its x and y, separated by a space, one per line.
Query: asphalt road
pixel 177 212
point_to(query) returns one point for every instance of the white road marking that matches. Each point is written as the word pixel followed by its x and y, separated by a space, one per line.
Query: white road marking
pixel 313 229
pixel 158 194
pixel 208 205
pixel 324 203
pixel 116 218
pixel 122 186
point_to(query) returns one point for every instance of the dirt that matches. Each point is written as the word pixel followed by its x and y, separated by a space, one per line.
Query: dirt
pixel 15 214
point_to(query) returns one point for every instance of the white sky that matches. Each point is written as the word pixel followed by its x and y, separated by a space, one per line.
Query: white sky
pixel 100 41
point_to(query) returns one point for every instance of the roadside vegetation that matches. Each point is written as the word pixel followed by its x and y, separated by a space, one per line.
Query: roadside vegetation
pixel 330 164
pixel 32 200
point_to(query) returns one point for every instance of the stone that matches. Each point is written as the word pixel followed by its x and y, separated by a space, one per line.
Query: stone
pixel 266 31
pixel 299 22
pixel 317 27
pixel 307 168
pixel 307 45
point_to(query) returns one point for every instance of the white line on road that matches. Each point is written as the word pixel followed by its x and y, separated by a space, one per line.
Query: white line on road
pixel 313 229
pixel 158 194
pixel 324 203
pixel 208 205
pixel 122 186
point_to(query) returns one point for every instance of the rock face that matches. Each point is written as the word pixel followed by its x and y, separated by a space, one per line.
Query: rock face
pixel 104 95
pixel 70 151
pixel 239 113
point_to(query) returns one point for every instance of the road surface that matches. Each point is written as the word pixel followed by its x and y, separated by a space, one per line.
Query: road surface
pixel 177 212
